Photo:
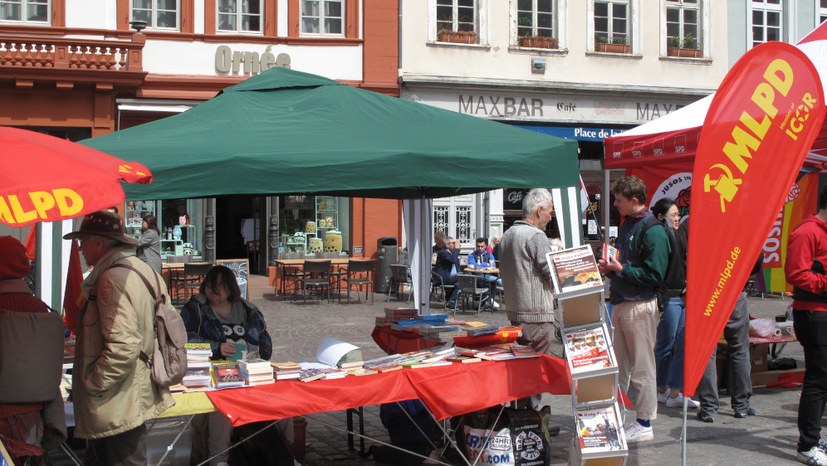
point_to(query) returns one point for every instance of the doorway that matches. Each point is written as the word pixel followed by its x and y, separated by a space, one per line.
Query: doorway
pixel 239 231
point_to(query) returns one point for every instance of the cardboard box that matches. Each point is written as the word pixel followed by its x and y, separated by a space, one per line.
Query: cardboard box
pixel 759 357
pixel 761 379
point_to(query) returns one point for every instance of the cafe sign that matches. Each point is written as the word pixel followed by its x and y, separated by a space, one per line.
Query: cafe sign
pixel 229 61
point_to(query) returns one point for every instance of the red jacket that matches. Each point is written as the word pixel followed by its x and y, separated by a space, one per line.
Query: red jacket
pixel 807 264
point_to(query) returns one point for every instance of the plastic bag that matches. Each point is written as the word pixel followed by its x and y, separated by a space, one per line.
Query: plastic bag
pixel 517 439
pixel 763 327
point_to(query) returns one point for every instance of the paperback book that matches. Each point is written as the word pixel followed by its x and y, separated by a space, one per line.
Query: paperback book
pixel 226 374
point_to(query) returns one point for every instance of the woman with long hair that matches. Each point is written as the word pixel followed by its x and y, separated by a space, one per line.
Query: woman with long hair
pixel 669 344
pixel 149 246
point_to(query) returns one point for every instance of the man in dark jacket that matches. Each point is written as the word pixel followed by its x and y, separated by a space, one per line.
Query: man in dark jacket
pixel 634 281
pixel 805 270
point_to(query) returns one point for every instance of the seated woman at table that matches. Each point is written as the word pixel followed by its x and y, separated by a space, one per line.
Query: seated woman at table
pixel 220 316
pixel 480 258
pixel 446 268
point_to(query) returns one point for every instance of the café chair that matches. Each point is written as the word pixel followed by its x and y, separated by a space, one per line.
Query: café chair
pixel 470 292
pixel 315 279
pixel 188 283
pixel 400 277
pixel 360 273
pixel 439 290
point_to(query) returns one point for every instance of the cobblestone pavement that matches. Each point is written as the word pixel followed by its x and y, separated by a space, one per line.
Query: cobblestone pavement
pixel 766 439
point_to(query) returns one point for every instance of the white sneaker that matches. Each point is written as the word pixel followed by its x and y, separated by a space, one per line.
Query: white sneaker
pixel 636 433
pixel 814 456
pixel 677 402
pixel 662 397
pixel 495 305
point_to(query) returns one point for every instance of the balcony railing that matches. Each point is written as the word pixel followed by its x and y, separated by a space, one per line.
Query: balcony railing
pixel 79 54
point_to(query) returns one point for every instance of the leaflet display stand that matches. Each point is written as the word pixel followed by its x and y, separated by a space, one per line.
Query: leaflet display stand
pixel 590 355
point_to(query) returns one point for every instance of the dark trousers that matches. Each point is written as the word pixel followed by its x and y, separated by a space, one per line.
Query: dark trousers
pixel 811 331
pixel 736 334
pixel 127 449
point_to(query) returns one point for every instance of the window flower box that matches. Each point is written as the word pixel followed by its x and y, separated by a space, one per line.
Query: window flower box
pixel 457 37
pixel 538 42
pixel 683 52
pixel 612 48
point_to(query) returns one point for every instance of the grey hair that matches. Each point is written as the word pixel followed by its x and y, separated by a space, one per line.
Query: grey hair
pixel 533 200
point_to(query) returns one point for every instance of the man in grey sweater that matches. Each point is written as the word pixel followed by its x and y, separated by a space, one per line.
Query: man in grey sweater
pixel 529 298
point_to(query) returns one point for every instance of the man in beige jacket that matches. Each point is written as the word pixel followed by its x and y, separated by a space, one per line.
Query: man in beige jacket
pixel 112 390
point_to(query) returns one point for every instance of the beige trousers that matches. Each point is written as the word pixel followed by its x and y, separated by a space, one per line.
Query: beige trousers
pixel 635 328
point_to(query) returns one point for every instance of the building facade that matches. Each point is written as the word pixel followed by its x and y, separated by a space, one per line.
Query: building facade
pixel 83 68
pixel 582 70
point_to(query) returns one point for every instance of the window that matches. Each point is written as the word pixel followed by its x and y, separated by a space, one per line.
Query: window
pixel 239 15
pixel 456 15
pixel 323 17
pixel 611 22
pixel 822 12
pixel 683 23
pixel 766 21
pixel 158 14
pixel 535 18
pixel 27 11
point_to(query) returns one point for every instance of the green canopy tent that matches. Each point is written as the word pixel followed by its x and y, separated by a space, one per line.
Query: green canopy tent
pixel 288 132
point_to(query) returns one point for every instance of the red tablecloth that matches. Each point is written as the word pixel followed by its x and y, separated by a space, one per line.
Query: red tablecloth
pixel 399 341
pixel 446 390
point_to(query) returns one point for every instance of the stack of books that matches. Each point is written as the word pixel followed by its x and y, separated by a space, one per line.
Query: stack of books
pixel 286 370
pixel 477 330
pixel 442 333
pixel 225 374
pixel 198 365
pixel 401 313
pixel 256 371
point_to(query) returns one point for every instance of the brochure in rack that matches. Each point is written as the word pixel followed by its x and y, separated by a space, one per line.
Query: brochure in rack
pixel 599 433
pixel 574 270
pixel 588 351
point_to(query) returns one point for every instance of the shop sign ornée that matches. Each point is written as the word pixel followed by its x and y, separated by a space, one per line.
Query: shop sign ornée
pixel 228 60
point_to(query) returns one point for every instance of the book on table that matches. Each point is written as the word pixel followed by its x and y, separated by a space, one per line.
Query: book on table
pixel 256 371
pixel 198 375
pixel 523 351
pixel 225 374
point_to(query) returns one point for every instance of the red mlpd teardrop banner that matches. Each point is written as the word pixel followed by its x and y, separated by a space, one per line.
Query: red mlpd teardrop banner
pixel 760 126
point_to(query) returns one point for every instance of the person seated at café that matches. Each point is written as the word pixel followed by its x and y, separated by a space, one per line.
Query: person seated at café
pixel 445 266
pixel 220 316
pixel 480 258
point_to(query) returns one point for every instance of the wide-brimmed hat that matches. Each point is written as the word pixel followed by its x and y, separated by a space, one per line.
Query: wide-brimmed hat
pixel 103 223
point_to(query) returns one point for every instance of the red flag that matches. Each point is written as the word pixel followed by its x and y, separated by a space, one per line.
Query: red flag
pixel 31 243
pixel 761 123
pixel 72 296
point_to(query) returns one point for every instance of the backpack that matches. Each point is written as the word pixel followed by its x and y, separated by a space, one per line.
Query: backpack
pixel 660 290
pixel 168 362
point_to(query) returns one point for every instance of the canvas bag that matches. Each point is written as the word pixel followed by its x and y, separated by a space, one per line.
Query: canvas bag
pixel 168 362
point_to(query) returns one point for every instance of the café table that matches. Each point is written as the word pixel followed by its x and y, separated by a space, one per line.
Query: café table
pixel 277 273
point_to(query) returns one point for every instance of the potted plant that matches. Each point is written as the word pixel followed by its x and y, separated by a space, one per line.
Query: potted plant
pixel 615 44
pixel 686 47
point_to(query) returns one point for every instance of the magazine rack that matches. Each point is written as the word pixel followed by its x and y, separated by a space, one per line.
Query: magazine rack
pixel 590 355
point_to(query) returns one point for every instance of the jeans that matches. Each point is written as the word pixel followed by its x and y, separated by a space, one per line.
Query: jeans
pixel 736 334
pixel 811 331
pixel 669 344
pixel 492 281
